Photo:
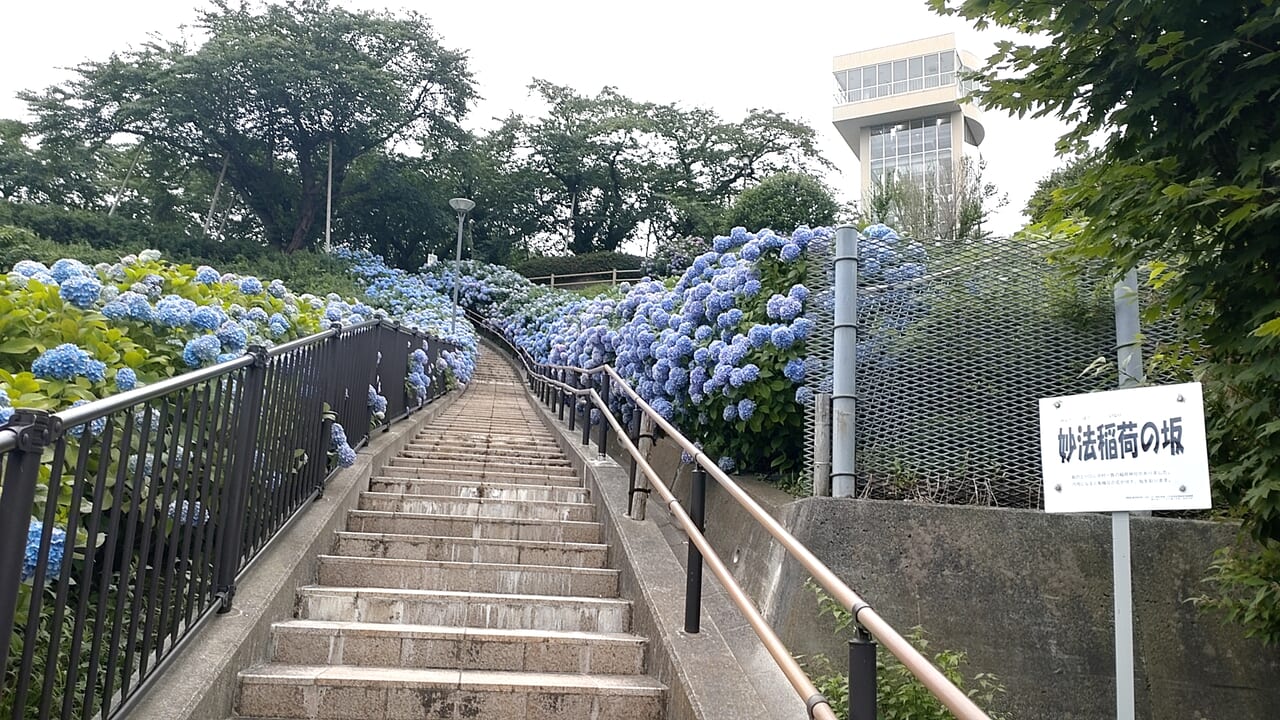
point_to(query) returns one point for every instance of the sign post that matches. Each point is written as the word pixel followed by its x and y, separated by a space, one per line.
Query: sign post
pixel 1122 451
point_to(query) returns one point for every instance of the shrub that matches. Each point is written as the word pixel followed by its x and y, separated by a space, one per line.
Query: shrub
pixel 543 265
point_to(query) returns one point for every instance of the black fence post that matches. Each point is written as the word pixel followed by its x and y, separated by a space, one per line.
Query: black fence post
pixel 36 430
pixel 586 407
pixel 603 440
pixel 862 676
pixel 693 569
pixel 235 494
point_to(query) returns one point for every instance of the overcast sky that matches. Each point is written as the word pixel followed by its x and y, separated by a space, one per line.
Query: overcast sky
pixel 729 56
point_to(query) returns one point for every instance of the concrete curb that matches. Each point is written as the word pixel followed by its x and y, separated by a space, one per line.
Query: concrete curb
pixel 705 677
pixel 201 682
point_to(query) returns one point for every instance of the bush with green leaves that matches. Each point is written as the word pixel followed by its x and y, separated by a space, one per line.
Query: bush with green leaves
pixel 899 695
pixel 544 265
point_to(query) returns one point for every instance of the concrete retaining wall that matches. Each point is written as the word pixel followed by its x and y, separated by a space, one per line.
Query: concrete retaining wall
pixel 1025 594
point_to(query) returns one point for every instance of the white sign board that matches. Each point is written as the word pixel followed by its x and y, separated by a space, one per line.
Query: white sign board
pixel 1125 450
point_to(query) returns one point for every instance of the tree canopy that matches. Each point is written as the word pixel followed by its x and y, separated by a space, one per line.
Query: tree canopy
pixel 262 95
pixel 784 202
pixel 1183 97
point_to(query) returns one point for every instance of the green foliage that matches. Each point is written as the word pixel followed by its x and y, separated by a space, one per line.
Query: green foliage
pixel 544 265
pixel 785 200
pixel 1182 96
pixel 293 79
pixel 899 696
pixel 1054 186
pixel 674 255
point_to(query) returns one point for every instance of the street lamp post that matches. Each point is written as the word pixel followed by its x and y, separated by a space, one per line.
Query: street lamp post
pixel 461 206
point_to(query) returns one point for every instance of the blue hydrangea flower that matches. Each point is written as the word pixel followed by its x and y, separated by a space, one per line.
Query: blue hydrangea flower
pixel 206 275
pixel 746 408
pixel 251 286
pixel 188 513
pixel 233 337
pixel 794 370
pixel 730 412
pixel 804 395
pixel 63 362
pixel 67 268
pixel 207 318
pixel 277 289
pixel 6 414
pixel 80 290
pixel 790 252
pixel 137 306
pixel 95 426
pixel 258 315
pixel 782 338
pixel 201 351
pixel 377 403
pixel 31 558
pixel 126 379
pixel 726 464
pixel 30 268
pixel 173 311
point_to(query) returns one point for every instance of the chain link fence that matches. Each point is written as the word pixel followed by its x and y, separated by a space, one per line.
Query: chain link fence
pixel 950 366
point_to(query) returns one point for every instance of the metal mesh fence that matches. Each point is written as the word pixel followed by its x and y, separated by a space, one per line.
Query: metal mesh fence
pixel 819 278
pixel 950 367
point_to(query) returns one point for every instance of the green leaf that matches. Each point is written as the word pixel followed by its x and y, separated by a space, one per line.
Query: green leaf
pixel 18 345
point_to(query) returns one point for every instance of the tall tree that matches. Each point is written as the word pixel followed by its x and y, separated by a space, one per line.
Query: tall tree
pixel 784 202
pixel 266 91
pixel 1183 97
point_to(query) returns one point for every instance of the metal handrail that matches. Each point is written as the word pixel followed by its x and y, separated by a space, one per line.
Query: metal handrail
pixel 864 615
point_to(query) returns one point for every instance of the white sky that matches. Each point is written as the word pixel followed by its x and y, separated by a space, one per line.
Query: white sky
pixel 726 55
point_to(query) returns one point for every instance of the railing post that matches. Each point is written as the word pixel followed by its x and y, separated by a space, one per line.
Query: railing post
pixel 586 411
pixel 235 494
pixel 844 384
pixel 640 493
pixel 862 676
pixel 560 396
pixel 603 440
pixel 693 568
pixel 36 430
pixel 553 279
pixel 614 278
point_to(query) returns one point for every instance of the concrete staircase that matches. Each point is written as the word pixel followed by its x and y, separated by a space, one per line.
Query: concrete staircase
pixel 470 583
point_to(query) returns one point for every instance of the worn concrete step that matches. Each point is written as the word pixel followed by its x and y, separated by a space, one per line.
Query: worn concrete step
pixel 513 434
pixel 326 692
pixel 444 471
pixel 478 489
pixel 481 469
pixel 471 461
pixel 443 451
pixel 462 609
pixel 410 470
pixel 316 642
pixel 486 507
pixel 467 577
pixel 483 550
pixel 377 521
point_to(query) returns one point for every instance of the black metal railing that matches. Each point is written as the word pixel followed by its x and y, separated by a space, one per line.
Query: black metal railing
pixel 583 392
pixel 125 522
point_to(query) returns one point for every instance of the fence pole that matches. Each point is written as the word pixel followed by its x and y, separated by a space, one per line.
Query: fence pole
pixel 603 440
pixel 1129 369
pixel 1128 331
pixel 862 676
pixel 35 430
pixel 235 494
pixel 640 493
pixel 822 445
pixel 844 385
pixel 693 566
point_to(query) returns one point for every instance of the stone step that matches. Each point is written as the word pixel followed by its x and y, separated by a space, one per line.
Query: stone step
pixel 487 507
pixel 327 692
pixel 473 488
pixel 472 461
pixel 315 642
pixel 411 470
pixel 377 521
pixel 442 451
pixel 461 609
pixel 512 434
pixel 499 578
pixel 455 549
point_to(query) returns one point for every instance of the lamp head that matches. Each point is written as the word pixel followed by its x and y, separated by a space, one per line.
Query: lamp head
pixel 461 205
